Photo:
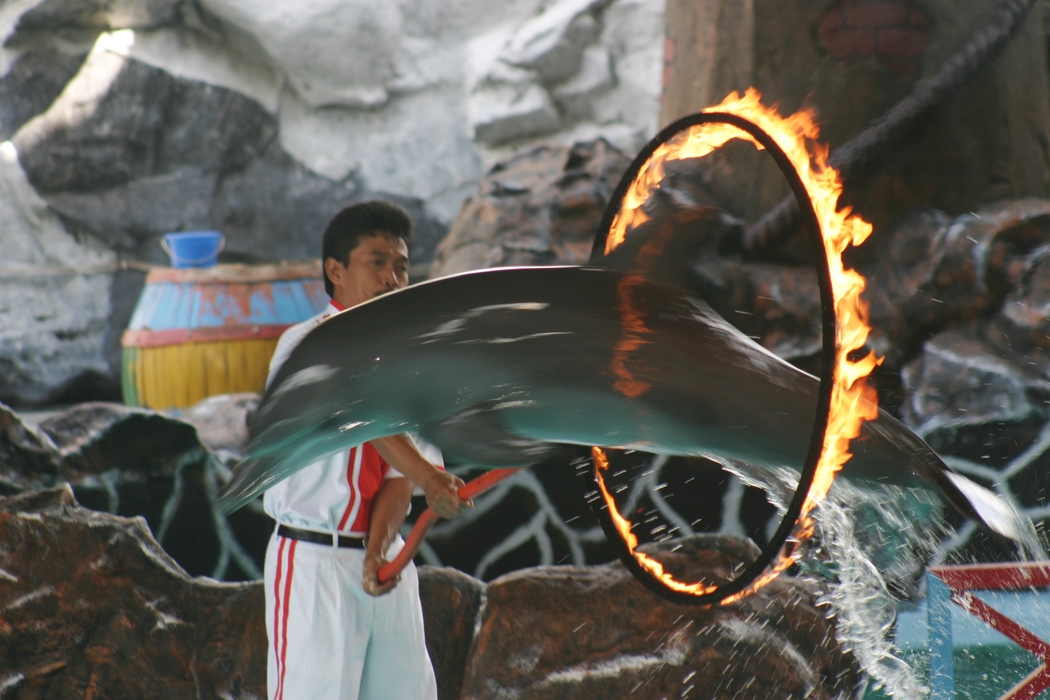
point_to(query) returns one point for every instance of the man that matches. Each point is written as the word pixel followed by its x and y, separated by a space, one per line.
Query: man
pixel 335 631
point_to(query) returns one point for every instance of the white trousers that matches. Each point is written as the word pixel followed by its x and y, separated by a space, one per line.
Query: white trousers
pixel 331 640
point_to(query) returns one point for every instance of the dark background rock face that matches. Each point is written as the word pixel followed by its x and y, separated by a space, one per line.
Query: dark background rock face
pixel 34 81
pixel 138 463
pixel 540 207
pixel 148 124
pixel 100 14
pixel 93 607
pixel 161 153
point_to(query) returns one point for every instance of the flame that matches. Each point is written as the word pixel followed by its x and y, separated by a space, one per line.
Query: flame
pixel 852 400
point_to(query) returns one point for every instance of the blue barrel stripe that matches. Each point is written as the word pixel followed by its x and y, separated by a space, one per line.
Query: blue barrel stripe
pixel 301 301
pixel 318 297
pixel 196 307
pixel 174 305
pixel 182 306
pixel 287 305
pixel 262 310
pixel 167 309
pixel 146 308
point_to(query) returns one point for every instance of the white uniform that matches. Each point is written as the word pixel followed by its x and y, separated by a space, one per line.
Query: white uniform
pixel 328 638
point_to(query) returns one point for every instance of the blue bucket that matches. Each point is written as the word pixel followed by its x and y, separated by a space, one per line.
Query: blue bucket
pixel 193 248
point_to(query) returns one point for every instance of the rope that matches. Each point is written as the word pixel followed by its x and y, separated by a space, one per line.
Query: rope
pixel 864 150
pixel 29 271
pixel 20 272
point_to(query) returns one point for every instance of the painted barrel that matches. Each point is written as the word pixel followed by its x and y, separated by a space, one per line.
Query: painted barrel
pixel 197 332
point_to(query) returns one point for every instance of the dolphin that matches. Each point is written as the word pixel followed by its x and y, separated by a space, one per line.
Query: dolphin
pixel 501 367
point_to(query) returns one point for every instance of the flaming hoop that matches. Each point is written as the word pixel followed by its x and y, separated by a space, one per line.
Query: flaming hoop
pixel 845 399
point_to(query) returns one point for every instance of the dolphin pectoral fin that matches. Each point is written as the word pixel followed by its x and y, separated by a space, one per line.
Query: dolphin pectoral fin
pixel 248 479
pixel 477 436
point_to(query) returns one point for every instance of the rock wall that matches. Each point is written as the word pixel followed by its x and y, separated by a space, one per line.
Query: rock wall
pixel 540 207
pixel 106 613
pixel 139 463
pixel 124 121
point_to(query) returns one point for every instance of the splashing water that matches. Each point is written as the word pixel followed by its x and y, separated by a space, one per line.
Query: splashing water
pixel 863 607
pixel 856 549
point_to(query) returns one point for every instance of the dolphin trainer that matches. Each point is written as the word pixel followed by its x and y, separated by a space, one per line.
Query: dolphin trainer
pixel 499 367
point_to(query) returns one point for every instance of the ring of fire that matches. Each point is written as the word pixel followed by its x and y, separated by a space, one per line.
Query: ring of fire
pixel 845 400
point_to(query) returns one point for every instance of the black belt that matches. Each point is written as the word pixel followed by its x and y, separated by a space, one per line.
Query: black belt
pixel 295 533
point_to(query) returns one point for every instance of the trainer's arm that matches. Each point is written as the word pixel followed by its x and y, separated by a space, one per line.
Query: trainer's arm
pixel 388 513
pixel 439 486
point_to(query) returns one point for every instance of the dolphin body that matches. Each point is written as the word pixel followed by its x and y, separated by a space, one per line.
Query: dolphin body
pixel 498 367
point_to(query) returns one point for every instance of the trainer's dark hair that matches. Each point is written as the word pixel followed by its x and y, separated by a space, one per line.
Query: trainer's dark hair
pixel 360 221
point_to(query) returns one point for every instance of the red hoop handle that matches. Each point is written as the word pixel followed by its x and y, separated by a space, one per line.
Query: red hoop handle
pixel 473 488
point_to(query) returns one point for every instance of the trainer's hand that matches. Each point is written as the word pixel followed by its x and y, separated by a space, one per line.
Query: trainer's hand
pixel 442 494
pixel 370 575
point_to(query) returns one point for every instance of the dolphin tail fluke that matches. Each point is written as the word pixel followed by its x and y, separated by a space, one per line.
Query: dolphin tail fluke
pixel 889 437
pixel 993 511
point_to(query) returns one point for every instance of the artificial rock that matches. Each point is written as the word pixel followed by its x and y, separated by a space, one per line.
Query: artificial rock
pixel 133 119
pixel 596 632
pixel 50 15
pixel 222 421
pixel 34 80
pixel 933 271
pixel 137 462
pixel 105 612
pixel 53 323
pixel 541 207
pixel 961 381
pixel 94 607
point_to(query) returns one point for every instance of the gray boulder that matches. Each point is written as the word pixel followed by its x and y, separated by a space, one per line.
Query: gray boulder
pixel 139 463
pixel 93 606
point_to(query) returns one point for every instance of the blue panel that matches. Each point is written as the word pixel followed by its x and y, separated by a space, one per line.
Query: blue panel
pixel 939 629
pixel 227 303
pixel 236 297
pixel 301 301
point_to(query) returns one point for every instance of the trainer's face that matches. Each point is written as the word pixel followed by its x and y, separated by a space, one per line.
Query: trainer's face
pixel 379 264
